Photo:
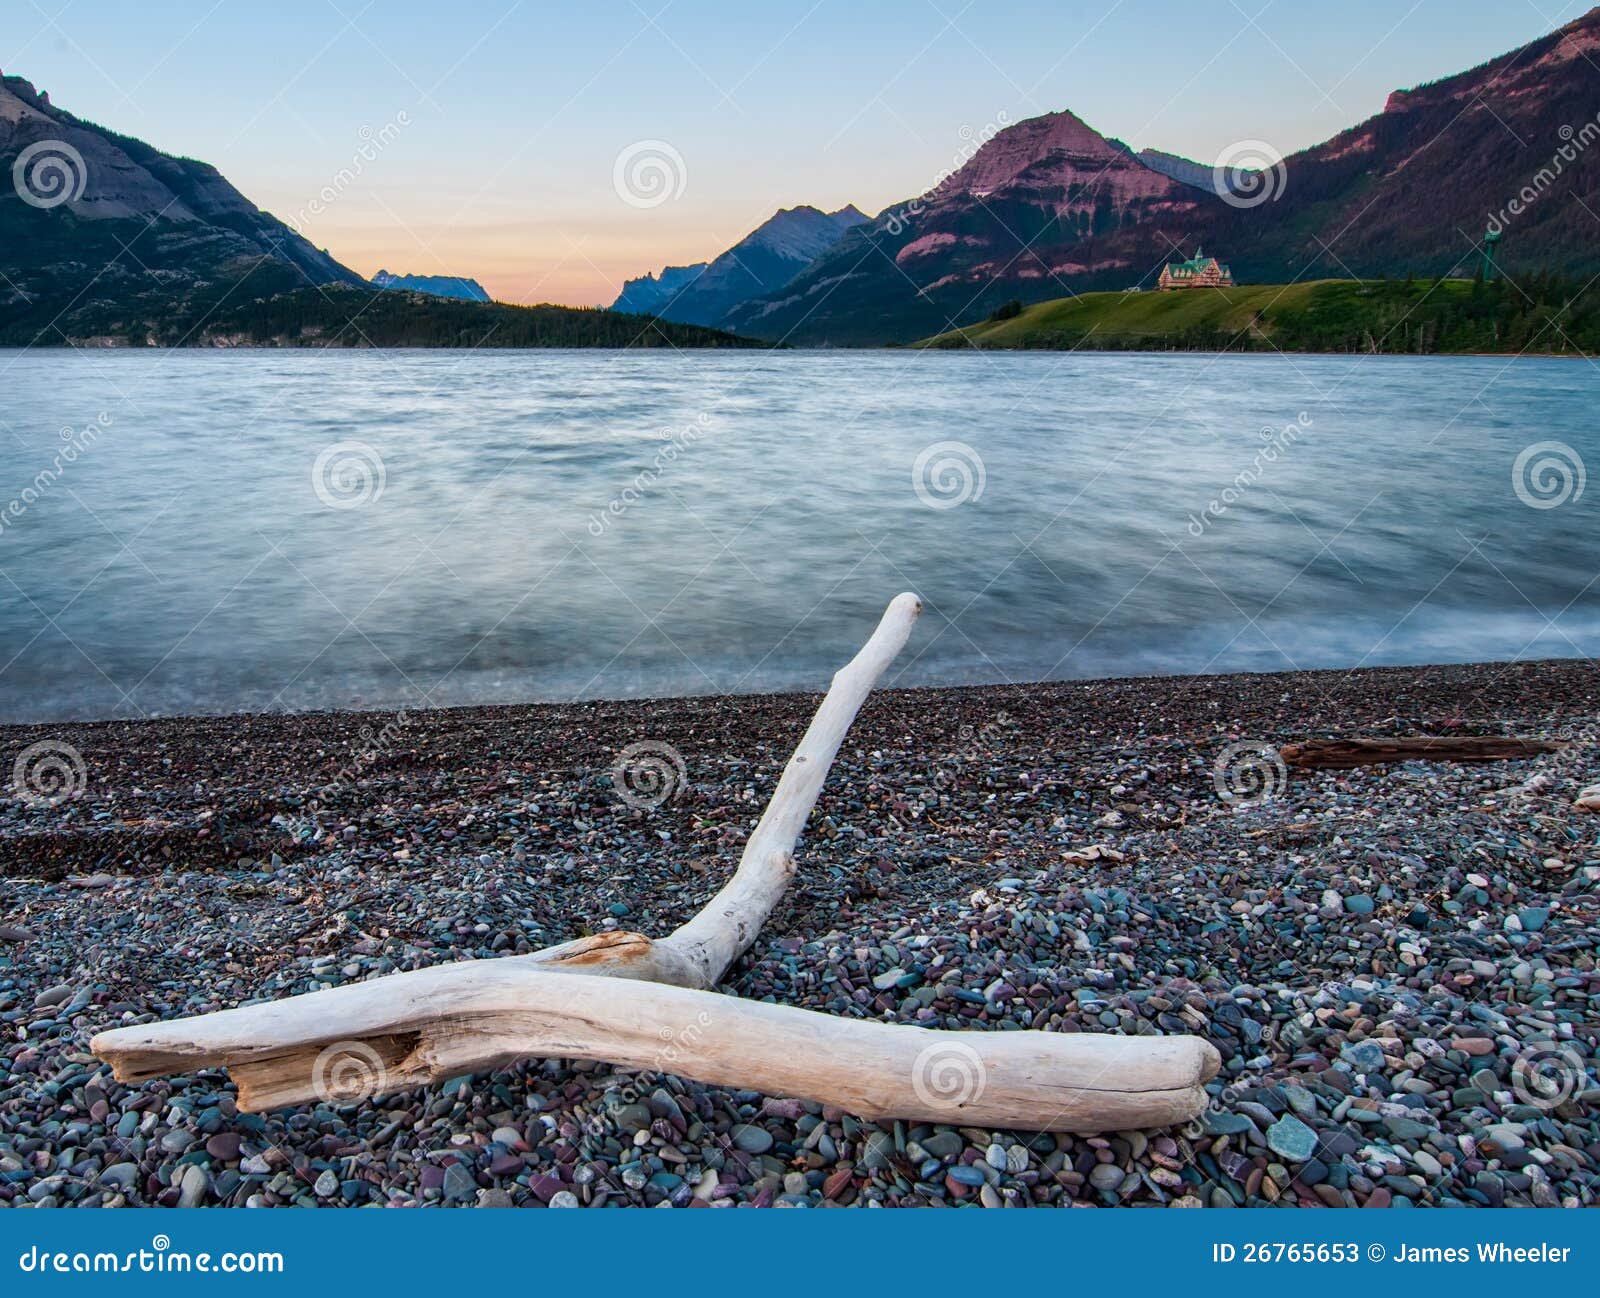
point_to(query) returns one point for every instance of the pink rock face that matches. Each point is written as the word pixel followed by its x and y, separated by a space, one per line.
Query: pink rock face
pixel 1044 169
pixel 1357 141
pixel 1512 76
pixel 928 243
pixel 1059 149
pixel 1575 43
pixel 1050 199
pixel 1069 268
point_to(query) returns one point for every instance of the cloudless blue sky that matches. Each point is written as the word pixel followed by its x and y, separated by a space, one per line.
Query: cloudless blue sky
pixel 516 112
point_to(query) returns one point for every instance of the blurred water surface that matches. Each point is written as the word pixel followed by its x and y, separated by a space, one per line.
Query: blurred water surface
pixel 554 525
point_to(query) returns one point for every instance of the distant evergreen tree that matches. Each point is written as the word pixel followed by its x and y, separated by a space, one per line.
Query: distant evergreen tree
pixel 339 316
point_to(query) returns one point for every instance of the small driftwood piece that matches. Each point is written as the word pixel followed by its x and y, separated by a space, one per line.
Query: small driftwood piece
pixel 646 1003
pixel 1342 754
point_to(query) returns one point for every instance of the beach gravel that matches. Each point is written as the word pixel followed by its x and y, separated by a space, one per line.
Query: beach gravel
pixel 1396 964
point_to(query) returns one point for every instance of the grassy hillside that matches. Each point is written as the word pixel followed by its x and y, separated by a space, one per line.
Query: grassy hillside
pixel 1538 314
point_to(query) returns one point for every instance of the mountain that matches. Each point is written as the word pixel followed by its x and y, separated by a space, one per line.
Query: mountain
pixel 1049 208
pixel 465 290
pixel 765 259
pixel 107 241
pixel 1411 189
pixel 1044 207
pixel 649 294
pixel 102 234
pixel 1184 170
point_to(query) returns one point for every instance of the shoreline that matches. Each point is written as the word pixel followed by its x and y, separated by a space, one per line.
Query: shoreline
pixel 1203 679
pixel 1232 351
pixel 1381 955
pixel 768 347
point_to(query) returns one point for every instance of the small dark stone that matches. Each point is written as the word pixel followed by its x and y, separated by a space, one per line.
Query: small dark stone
pixel 224 1146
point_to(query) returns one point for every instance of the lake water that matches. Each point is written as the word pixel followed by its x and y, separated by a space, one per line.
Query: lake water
pixel 201 531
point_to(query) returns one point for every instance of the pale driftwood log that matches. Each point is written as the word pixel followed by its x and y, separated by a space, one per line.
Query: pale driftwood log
pixel 645 1003
pixel 412 1028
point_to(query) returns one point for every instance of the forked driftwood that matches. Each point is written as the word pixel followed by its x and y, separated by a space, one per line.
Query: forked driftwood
pixel 1343 754
pixel 646 1003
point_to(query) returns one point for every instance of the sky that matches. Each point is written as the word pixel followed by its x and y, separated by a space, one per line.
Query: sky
pixel 553 150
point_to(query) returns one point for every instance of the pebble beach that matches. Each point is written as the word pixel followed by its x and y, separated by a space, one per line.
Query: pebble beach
pixel 1397 963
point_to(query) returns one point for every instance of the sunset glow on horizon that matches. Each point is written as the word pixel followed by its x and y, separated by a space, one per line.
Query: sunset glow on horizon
pixel 481 140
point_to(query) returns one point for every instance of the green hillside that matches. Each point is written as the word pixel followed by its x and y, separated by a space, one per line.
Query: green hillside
pixel 1537 314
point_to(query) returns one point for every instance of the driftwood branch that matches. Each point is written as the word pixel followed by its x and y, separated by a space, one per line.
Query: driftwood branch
pixel 412 1028
pixel 646 1003
pixel 1342 754
pixel 699 952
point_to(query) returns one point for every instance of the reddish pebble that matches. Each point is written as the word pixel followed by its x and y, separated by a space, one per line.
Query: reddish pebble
pixel 224 1146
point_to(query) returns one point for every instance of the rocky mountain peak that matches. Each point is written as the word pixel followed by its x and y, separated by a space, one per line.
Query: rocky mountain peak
pixel 801 232
pixel 1055 148
pixel 766 258
pixel 447 286
pixel 97 227
pixel 19 100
